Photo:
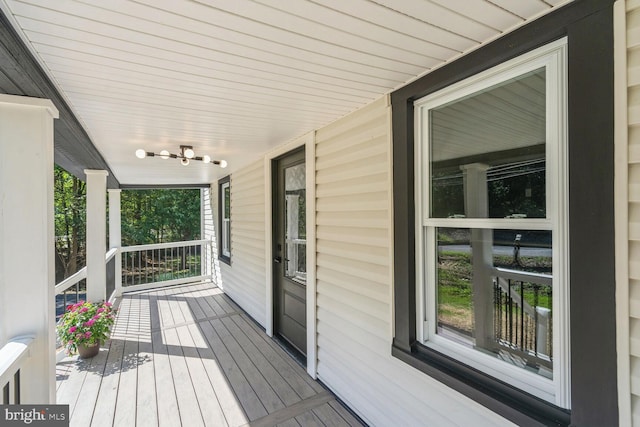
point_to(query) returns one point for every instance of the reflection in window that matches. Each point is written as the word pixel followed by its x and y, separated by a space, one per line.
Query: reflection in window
pixel 494 293
pixel 497 135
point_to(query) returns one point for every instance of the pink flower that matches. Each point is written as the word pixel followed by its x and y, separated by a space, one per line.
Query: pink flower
pixel 84 310
pixel 108 304
pixel 72 329
pixel 89 323
pixel 100 310
pixel 87 334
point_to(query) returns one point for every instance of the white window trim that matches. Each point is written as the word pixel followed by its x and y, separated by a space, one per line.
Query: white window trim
pixel 226 251
pixel 553 56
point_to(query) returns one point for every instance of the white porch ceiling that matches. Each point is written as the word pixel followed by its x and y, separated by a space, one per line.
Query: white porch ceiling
pixel 235 78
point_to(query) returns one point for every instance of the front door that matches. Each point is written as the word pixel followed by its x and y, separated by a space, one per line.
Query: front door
pixel 290 250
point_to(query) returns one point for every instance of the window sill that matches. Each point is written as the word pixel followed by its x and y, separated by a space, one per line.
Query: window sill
pixel 225 259
pixel 509 402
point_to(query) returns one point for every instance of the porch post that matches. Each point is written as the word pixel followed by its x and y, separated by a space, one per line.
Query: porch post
pixel 27 239
pixel 476 205
pixel 115 234
pixel 96 234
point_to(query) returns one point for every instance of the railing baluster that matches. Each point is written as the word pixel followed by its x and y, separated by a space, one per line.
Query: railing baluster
pixel 522 336
pixel 16 387
pixel 536 289
pixel 510 313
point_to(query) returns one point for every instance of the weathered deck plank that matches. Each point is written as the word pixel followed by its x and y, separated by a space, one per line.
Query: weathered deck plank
pixel 146 402
pixel 189 356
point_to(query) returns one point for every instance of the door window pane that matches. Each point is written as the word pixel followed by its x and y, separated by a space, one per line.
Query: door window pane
pixel 295 224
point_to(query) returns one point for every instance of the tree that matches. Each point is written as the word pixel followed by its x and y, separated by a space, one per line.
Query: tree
pixel 70 222
pixel 160 216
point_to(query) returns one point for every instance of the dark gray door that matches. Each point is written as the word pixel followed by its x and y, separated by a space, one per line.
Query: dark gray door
pixel 290 249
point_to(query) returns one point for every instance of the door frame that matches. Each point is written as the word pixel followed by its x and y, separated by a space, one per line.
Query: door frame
pixel 309 141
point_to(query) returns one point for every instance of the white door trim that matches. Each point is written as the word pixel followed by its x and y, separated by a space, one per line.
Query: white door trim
pixel 309 141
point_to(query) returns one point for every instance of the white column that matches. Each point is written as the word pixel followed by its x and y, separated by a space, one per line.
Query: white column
pixel 96 234
pixel 115 234
pixel 476 205
pixel 27 238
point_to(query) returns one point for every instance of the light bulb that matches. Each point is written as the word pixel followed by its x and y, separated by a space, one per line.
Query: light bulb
pixel 184 161
pixel 188 153
pixel 140 153
pixel 164 154
pixel 206 159
pixel 223 164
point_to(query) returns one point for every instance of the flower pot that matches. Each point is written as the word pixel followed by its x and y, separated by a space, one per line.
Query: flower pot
pixel 87 352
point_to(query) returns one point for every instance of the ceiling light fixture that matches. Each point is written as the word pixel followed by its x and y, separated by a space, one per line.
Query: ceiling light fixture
pixel 186 155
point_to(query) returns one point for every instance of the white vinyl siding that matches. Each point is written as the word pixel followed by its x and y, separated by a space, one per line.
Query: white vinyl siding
pixel 354 283
pixel 633 158
pixel 244 280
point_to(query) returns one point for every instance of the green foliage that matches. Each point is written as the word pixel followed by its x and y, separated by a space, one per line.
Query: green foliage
pixel 69 220
pixel 160 216
pixel 85 323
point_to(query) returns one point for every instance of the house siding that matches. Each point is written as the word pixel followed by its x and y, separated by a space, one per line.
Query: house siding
pixel 632 155
pixel 244 280
pixel 354 283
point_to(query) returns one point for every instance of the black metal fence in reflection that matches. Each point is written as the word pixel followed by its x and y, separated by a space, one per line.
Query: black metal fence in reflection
pixel 522 315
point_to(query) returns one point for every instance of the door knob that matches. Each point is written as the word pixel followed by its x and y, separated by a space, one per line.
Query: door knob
pixel 277 259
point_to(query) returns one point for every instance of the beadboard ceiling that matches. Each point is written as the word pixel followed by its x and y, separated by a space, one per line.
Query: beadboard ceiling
pixel 235 78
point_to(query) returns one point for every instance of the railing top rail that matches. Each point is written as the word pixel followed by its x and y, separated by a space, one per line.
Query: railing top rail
pixel 71 280
pixel 524 276
pixel 112 252
pixel 12 355
pixel 81 274
pixel 163 245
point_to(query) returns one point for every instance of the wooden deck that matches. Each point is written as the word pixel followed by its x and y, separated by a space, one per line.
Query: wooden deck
pixel 188 356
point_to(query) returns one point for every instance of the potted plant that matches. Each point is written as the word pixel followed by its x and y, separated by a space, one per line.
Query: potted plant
pixel 84 326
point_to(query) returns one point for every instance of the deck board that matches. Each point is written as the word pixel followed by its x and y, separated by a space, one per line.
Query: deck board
pixel 189 356
pixel 146 401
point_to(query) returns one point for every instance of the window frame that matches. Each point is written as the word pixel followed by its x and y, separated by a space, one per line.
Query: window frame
pixel 224 255
pixel 590 101
pixel 551 57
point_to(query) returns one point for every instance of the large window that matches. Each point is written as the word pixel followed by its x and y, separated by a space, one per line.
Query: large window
pixel 504 254
pixel 224 224
pixel 492 202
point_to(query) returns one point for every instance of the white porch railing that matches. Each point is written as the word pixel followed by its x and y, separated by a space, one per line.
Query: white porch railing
pixel 12 357
pixel 74 288
pixel 163 264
